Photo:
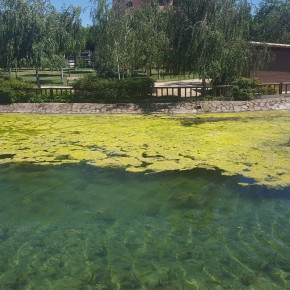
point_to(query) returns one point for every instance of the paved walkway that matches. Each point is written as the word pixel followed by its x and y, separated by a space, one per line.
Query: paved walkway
pixel 56 87
pixel 180 83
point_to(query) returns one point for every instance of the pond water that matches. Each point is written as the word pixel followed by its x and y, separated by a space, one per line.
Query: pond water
pixel 76 226
pixel 145 202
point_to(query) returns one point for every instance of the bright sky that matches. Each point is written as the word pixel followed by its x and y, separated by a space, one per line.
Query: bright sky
pixel 85 4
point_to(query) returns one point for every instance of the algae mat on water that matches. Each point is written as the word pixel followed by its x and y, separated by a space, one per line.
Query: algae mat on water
pixel 255 145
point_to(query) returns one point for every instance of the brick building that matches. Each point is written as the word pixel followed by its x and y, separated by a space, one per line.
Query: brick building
pixel 279 69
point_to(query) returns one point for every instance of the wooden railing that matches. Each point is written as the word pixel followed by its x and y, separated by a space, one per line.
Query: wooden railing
pixel 286 87
pixel 190 91
pixel 274 88
pixel 179 91
pixel 218 91
pixel 51 91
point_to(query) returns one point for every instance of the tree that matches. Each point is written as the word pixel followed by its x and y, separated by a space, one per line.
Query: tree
pixel 127 40
pixel 33 33
pixel 103 58
pixel 69 34
pixel 271 22
pixel 42 46
pixel 14 29
pixel 151 35
pixel 88 35
pixel 210 37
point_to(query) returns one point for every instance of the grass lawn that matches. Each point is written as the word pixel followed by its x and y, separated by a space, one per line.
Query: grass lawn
pixel 53 77
pixel 48 77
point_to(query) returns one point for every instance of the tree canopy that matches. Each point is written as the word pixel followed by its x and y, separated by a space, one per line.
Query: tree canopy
pixel 271 22
pixel 33 33
pixel 208 37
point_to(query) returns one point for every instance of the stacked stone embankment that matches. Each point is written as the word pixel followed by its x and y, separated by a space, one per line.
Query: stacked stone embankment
pixel 263 104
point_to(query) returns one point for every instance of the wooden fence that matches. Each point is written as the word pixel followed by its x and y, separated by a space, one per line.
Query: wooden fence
pixel 217 91
pixel 51 91
pixel 180 91
pixel 190 91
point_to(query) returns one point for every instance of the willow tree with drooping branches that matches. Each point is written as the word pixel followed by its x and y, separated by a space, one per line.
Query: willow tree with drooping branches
pixel 210 37
pixel 34 34
pixel 14 33
pixel 127 40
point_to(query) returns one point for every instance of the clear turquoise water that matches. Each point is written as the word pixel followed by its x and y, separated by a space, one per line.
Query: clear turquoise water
pixel 80 227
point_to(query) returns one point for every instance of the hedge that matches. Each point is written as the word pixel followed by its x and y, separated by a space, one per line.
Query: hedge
pixel 13 91
pixel 93 89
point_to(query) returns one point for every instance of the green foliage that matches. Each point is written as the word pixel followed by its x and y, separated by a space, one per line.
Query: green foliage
pixel 271 22
pixel 129 41
pixel 210 37
pixel 89 89
pixel 94 89
pixel 207 37
pixel 37 97
pixel 13 91
pixel 33 33
pixel 69 34
pixel 17 91
pixel 243 89
pixel 268 90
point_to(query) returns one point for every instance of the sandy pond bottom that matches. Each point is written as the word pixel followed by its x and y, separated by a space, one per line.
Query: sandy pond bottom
pixel 82 227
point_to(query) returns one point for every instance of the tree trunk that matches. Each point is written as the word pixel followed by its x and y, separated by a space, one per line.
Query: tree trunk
pixel 118 69
pixel 62 78
pixel 118 62
pixel 75 60
pixel 203 82
pixel 37 77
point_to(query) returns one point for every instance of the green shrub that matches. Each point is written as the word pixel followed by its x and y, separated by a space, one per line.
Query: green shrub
pixel 13 91
pixel 17 91
pixel 242 89
pixel 37 97
pixel 268 90
pixel 93 89
pixel 209 97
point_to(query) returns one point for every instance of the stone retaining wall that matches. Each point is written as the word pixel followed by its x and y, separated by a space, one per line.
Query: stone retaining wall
pixel 268 104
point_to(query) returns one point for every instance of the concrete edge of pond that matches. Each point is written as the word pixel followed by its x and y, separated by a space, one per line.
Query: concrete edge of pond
pixel 269 103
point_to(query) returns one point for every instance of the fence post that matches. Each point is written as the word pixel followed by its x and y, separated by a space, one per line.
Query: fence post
pixel 280 88
pixel 51 92
pixel 179 92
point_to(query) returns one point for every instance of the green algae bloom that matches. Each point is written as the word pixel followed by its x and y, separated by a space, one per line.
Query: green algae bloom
pixel 255 145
